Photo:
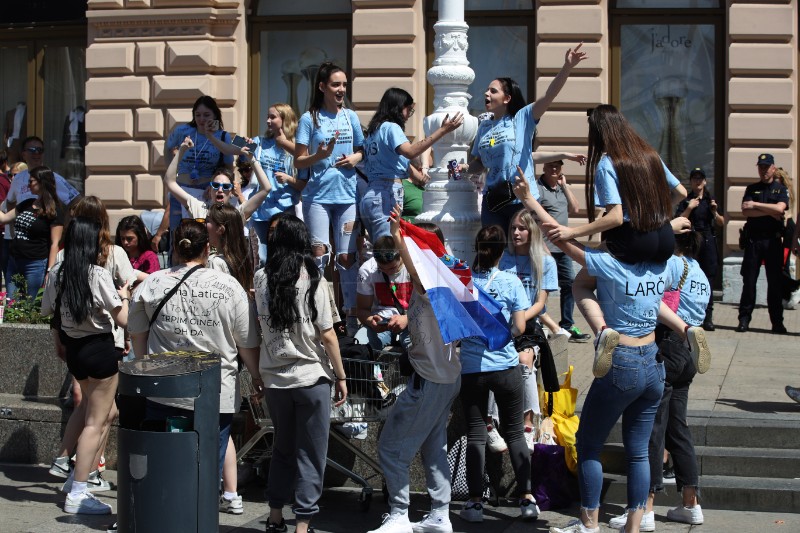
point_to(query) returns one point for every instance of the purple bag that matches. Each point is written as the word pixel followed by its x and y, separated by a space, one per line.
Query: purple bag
pixel 552 484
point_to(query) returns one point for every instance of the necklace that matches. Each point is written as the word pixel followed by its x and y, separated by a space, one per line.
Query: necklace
pixel 195 174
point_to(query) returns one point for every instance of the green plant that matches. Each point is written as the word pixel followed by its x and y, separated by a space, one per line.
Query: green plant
pixel 24 310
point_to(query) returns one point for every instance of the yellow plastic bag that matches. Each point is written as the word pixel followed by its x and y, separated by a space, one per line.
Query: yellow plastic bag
pixel 564 419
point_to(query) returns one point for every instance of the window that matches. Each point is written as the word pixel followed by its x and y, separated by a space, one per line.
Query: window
pixel 288 43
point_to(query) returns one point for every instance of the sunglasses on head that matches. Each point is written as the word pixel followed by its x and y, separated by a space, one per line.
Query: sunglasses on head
pixel 224 186
pixel 200 220
pixel 385 256
pixel 35 149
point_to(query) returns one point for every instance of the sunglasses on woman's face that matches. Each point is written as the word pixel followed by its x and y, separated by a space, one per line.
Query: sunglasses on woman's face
pixel 385 256
pixel 224 186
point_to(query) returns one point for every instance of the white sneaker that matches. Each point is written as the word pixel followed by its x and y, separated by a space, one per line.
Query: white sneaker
pixel 528 508
pixel 687 515
pixel 60 467
pixel 433 522
pixel 576 526
pixel 701 355
pixel 472 512
pixel 95 483
pixel 496 443
pixel 648 522
pixel 607 341
pixel 530 437
pixel 394 523
pixel 234 506
pixel 86 503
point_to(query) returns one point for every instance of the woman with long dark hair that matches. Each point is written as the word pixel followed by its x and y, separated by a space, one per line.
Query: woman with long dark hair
pixel 329 143
pixel 702 210
pixel 300 362
pixel 506 141
pixel 226 236
pixel 88 305
pixel 132 237
pixel 484 370
pixel 387 154
pixel 195 167
pixel 38 224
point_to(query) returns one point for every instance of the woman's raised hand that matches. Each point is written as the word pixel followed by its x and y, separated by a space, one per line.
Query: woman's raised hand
pixel 187 143
pixel 573 57
pixel 450 124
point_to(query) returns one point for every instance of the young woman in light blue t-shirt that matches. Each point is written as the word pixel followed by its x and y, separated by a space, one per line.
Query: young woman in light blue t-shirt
pixel 329 143
pixel 387 152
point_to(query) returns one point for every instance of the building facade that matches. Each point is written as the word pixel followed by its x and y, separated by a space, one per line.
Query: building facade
pixel 709 83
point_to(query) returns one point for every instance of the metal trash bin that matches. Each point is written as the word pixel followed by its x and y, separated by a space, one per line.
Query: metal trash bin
pixel 169 481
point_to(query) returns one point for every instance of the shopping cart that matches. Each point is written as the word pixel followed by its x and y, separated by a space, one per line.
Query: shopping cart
pixel 258 448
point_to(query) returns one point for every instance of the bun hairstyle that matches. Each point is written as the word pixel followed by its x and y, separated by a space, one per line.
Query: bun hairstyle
pixel 191 240
pixel 490 242
pixel 689 243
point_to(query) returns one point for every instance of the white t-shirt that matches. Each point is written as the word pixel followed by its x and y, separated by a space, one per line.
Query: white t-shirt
pixel 105 298
pixel 431 358
pixel 199 209
pixel 295 357
pixel 209 313
pixel 372 283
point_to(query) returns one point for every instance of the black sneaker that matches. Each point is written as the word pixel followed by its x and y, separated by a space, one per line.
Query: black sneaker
pixel 277 528
pixel 779 328
pixel 668 474
pixel 744 325
pixel 575 335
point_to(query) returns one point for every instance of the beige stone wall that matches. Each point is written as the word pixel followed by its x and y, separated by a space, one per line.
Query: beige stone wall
pixel 762 97
pixel 147 62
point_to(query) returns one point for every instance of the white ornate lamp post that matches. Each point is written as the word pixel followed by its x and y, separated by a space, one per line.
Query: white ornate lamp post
pixel 452 205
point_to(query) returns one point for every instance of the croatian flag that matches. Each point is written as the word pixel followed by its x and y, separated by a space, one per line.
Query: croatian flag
pixel 461 309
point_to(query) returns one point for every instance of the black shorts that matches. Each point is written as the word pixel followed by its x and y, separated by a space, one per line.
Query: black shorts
pixel 93 356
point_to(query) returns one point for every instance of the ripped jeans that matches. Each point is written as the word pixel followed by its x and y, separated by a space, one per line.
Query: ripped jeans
pixel 319 219
pixel 633 389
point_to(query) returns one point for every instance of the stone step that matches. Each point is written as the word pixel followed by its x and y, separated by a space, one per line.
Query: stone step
pixel 724 461
pixel 745 430
pixel 30 429
pixel 29 362
pixel 758 494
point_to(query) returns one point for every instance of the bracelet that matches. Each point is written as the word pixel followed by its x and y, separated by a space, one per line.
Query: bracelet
pixel 341 379
pixel 126 300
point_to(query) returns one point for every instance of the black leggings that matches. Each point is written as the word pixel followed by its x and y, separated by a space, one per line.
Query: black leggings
pixel 632 246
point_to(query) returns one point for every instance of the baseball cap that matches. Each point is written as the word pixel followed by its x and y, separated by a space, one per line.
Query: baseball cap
pixel 765 159
pixel 697 171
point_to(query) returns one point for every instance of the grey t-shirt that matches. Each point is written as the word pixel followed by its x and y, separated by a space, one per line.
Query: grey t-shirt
pixel 295 357
pixel 209 313
pixel 554 201
pixel 431 358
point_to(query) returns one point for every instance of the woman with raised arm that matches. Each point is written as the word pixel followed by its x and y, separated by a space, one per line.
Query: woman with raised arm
pixel 196 167
pixel 329 143
pixel 88 306
pixel 506 141
pixel 387 153
pixel 219 190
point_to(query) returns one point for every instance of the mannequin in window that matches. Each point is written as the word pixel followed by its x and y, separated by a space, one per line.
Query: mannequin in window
pixel 16 129
pixel 74 131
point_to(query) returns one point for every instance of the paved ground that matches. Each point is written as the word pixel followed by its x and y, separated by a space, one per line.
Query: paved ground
pixel 747 378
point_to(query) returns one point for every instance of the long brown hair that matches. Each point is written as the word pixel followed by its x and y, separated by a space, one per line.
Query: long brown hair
pixel 640 172
pixel 233 245
pixel 92 207
pixel 48 199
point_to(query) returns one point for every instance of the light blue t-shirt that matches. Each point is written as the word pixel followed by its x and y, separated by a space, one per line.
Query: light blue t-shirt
pixel 283 196
pixel 630 295
pixel 20 189
pixel 510 294
pixel 521 266
pixel 204 156
pixel 695 293
pixel 606 185
pixel 505 143
pixel 326 183
pixel 382 160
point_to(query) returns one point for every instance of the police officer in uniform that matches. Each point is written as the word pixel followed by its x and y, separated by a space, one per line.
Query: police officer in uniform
pixel 702 210
pixel 764 204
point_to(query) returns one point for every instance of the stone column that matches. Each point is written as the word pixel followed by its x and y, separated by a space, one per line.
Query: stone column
pixel 452 205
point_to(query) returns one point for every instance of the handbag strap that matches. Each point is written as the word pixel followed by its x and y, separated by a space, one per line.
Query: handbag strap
pixel 393 289
pixel 171 293
pixel 685 273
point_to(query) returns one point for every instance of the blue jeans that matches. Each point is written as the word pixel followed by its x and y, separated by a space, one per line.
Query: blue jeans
pixel 378 341
pixel 33 270
pixel 418 421
pixel 319 218
pixel 565 278
pixel 633 389
pixel 377 205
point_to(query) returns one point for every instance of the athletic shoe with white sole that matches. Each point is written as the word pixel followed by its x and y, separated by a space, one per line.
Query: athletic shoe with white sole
pixel 234 506
pixel 61 467
pixel 86 503
pixel 472 512
pixel 528 508
pixel 607 341
pixel 686 515
pixel 701 355
pixel 433 522
pixel 394 523
pixel 530 437
pixel 576 526
pixel 648 522
pixel 496 442
pixel 95 483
